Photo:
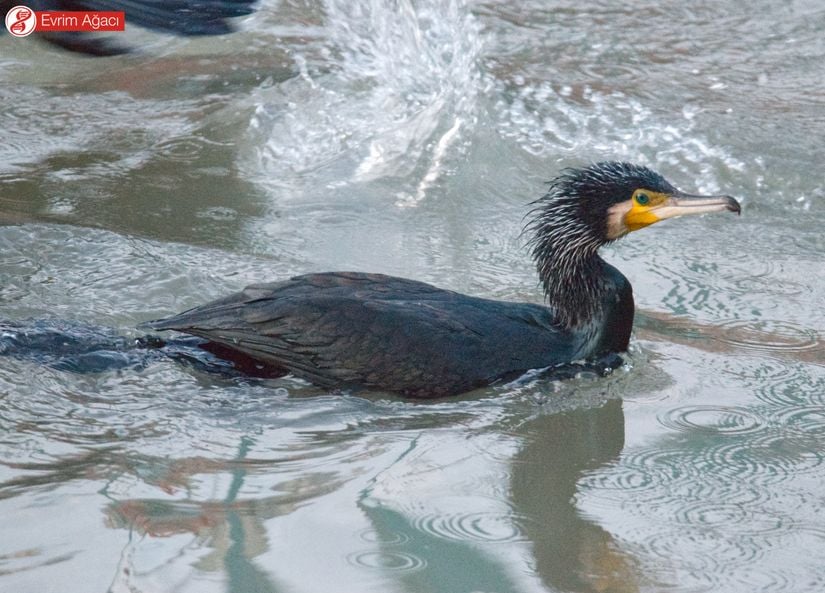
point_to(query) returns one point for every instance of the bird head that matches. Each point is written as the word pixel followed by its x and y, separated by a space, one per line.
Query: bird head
pixel 588 207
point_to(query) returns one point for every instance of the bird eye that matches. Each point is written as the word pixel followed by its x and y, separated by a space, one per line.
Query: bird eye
pixel 642 199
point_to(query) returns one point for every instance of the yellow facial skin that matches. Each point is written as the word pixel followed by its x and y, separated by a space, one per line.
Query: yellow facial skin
pixel 646 207
pixel 642 209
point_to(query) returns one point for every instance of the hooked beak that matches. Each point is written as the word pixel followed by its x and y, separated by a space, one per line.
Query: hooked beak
pixel 680 204
pixel 630 216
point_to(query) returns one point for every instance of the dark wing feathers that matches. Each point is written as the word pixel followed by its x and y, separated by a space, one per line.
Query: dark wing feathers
pixel 348 329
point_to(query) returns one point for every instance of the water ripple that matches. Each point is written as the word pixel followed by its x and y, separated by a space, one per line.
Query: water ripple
pixel 371 536
pixel 770 336
pixel 764 579
pixel 696 555
pixel 806 420
pixel 717 485
pixel 725 484
pixel 482 526
pixel 796 385
pixel 645 469
pixel 712 561
pixel 726 420
pixel 393 561
pixel 733 518
pixel 759 369
pixel 182 149
pixel 767 460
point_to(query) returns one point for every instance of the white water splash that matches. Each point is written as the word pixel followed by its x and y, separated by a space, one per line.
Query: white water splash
pixel 389 101
pixel 598 125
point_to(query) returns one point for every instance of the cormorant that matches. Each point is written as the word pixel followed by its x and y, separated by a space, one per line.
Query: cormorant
pixel 356 330
pixel 179 17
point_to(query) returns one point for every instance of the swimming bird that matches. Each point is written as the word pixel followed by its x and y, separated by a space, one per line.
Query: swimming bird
pixel 179 17
pixel 345 330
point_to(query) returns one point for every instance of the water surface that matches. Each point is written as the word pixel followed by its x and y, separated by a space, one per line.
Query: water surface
pixel 408 138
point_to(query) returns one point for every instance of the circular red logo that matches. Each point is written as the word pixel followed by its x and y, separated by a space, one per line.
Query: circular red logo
pixel 20 21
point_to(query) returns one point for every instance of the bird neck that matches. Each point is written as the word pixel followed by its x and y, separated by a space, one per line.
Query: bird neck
pixel 575 284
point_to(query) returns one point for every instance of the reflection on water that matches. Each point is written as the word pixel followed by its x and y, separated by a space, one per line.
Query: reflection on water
pixel 572 552
pixel 408 138
pixel 411 530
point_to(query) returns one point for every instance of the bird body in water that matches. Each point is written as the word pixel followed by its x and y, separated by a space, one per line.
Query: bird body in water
pixel 345 330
